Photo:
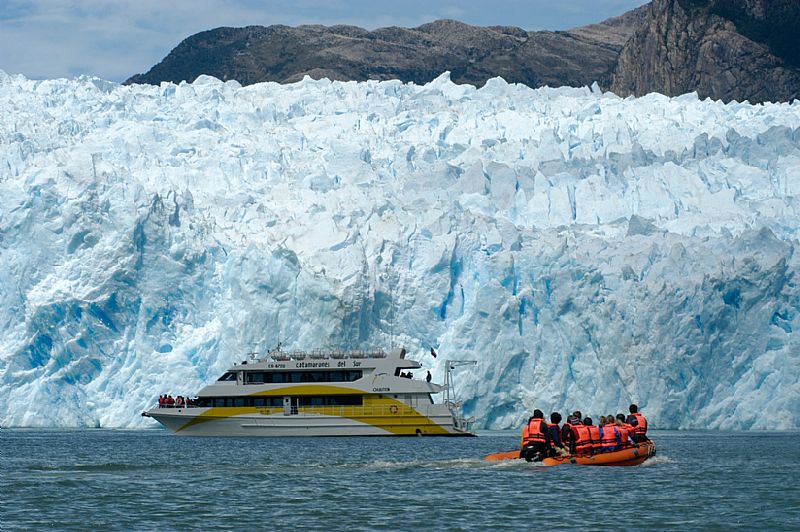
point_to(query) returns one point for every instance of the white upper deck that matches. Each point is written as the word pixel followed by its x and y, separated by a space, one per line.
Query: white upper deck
pixel 377 360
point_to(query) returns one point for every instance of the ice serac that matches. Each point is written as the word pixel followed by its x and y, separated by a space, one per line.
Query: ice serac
pixel 586 250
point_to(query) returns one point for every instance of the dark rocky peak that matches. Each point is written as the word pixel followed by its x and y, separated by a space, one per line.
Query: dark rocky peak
pixel 723 49
pixel 773 23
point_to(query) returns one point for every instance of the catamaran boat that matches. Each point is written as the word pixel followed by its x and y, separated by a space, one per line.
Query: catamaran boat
pixel 320 393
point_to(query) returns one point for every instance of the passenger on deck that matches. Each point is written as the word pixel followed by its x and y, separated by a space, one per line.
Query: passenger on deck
pixel 625 431
pixel 594 434
pixel 428 377
pixel 554 433
pixel 639 424
pixel 179 401
pixel 535 440
pixel 609 435
pixel 170 401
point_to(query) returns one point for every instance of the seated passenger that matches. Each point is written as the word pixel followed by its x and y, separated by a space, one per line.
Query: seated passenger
pixel 609 435
pixel 594 434
pixel 567 435
pixel 639 424
pixel 554 433
pixel 625 431
pixel 581 438
pixel 535 441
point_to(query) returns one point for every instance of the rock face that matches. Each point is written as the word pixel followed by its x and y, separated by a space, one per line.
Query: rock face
pixel 472 54
pixel 723 49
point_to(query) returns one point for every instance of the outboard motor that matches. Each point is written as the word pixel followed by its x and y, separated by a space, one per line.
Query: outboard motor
pixel 532 453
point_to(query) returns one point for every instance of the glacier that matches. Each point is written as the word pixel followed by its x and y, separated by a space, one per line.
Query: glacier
pixel 586 250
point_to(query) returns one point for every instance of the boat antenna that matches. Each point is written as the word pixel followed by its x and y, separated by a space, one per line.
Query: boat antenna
pixel 391 319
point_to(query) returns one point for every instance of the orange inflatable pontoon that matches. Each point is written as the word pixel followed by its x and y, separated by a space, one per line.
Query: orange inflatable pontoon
pixel 629 456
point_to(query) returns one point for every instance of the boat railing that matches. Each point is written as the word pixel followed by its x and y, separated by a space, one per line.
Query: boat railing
pixel 156 405
pixel 322 354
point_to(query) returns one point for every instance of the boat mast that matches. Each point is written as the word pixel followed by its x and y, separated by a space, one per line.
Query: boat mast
pixel 450 365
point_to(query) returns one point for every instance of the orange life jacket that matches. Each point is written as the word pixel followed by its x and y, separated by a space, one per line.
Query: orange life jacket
pixel 624 431
pixel 594 435
pixel 533 432
pixel 631 429
pixel 583 440
pixel 610 439
pixel 641 425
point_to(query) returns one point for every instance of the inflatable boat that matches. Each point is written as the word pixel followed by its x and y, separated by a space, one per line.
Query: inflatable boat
pixel 630 456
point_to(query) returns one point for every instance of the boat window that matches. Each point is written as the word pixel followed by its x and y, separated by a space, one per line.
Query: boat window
pixel 255 377
pixel 285 377
pixel 332 400
pixel 229 376
pixel 241 401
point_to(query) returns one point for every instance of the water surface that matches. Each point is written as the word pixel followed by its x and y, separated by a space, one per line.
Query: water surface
pixel 123 480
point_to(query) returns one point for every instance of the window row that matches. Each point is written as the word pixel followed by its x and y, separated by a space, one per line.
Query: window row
pixel 329 400
pixel 283 377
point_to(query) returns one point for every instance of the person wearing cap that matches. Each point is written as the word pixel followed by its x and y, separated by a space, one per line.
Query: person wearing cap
pixel 576 435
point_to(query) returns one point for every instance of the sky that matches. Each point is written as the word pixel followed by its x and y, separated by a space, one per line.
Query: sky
pixel 114 39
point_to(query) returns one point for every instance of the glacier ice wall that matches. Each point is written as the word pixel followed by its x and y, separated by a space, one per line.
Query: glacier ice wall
pixel 586 250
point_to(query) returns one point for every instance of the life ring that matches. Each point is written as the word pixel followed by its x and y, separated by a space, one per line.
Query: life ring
pixel 393 409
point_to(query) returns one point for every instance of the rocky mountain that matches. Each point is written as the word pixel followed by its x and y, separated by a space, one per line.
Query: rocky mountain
pixel 472 54
pixel 723 49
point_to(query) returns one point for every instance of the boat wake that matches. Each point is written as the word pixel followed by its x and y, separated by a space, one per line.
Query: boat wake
pixel 658 459
pixel 456 463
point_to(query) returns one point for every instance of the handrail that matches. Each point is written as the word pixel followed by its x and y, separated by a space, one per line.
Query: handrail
pixel 319 354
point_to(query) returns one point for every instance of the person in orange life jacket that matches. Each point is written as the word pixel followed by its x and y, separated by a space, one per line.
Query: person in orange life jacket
pixel 609 436
pixel 567 436
pixel 535 438
pixel 639 424
pixel 554 433
pixel 625 431
pixel 594 434
pixel 580 441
